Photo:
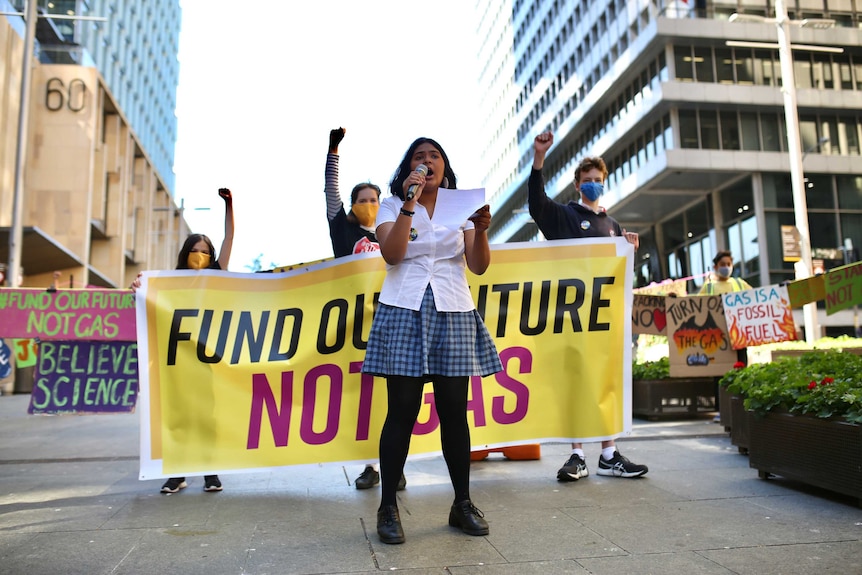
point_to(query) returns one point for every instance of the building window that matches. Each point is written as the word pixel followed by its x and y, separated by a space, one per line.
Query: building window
pixel 770 71
pixel 740 224
pixel 688 129
pixel 689 240
pixel 724 65
pixel 771 133
pixel 851 228
pixel 709 130
pixel 683 63
pixel 779 269
pixel 729 131
pixel 750 131
pixel 777 192
pixel 742 241
pixel 823 228
pixel 850 193
pixel 703 65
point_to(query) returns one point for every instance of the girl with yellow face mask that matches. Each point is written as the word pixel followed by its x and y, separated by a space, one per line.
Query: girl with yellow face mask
pixel 351 232
pixel 198 253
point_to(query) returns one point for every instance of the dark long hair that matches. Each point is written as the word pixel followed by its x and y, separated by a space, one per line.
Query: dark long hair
pixel 183 257
pixel 403 170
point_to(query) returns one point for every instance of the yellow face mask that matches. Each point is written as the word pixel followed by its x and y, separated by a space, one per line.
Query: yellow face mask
pixel 366 214
pixel 198 261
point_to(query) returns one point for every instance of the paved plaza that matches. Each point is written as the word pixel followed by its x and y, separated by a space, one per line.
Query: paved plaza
pixel 71 503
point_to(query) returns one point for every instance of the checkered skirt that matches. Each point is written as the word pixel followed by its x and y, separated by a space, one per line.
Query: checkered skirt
pixel 429 342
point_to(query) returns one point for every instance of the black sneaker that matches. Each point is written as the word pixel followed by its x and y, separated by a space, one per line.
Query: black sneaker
pixel 212 483
pixel 367 479
pixel 574 469
pixel 619 466
pixel 402 483
pixel 174 484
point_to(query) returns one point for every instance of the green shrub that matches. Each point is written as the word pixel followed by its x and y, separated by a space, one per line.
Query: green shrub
pixel 659 369
pixel 825 384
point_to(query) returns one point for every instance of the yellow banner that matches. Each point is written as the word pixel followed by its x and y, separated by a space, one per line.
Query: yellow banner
pixel 256 371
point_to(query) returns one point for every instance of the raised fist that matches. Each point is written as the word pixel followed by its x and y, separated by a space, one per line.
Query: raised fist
pixel 335 137
pixel 543 142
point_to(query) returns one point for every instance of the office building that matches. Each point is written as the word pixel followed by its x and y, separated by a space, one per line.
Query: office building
pixel 684 102
pixel 97 192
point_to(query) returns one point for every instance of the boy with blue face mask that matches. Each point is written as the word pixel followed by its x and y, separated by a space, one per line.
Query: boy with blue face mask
pixel 583 219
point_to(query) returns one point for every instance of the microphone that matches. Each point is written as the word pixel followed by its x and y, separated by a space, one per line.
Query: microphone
pixel 411 191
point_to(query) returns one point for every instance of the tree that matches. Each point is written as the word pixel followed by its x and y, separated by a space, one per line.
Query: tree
pixel 256 265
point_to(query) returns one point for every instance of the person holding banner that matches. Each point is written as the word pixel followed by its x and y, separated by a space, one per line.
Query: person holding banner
pixel 198 253
pixel 352 233
pixel 582 219
pixel 426 328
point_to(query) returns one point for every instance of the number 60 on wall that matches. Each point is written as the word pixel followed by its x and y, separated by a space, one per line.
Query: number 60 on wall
pixel 58 95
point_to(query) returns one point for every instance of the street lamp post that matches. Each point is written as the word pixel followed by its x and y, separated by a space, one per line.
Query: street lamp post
pixel 803 267
pixel 797 178
pixel 16 235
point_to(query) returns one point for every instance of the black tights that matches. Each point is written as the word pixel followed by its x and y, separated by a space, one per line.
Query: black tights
pixel 404 401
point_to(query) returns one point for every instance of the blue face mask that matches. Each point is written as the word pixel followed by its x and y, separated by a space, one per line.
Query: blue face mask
pixel 592 190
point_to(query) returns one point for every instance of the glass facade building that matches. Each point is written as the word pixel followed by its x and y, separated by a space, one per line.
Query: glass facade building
pixel 684 102
pixel 135 50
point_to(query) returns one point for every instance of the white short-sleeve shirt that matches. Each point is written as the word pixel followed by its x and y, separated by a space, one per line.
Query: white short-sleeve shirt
pixel 435 255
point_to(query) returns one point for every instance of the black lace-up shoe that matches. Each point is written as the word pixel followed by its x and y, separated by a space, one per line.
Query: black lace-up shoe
pixel 389 525
pixel 367 479
pixel 467 517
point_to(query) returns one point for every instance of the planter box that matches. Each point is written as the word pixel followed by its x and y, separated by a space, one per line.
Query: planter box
pixel 653 398
pixel 818 452
pixel 740 431
pixel 724 412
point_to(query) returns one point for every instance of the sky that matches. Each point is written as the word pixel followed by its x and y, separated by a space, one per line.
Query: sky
pixel 261 85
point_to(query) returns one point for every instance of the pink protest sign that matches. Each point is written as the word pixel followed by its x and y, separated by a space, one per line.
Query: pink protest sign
pixel 74 314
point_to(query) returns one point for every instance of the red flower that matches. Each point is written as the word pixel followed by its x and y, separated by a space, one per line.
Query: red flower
pixel 812 385
pixel 738 365
pixel 827 380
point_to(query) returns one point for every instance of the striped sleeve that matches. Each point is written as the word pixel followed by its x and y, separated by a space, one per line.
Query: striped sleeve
pixel 333 197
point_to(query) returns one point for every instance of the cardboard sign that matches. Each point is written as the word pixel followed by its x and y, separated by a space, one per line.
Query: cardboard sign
pixel 648 314
pixel 759 316
pixel 806 291
pixel 843 288
pixel 663 288
pixel 697 337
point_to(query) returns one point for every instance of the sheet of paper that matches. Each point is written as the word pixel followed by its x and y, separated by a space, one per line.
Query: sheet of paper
pixel 455 206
